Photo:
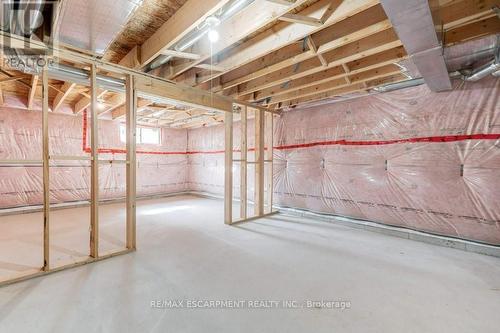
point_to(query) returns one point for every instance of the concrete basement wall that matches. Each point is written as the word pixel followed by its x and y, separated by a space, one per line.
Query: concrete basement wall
pixel 410 158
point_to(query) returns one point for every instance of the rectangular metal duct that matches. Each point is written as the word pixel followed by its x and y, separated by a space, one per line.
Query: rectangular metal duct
pixel 93 24
pixel 414 25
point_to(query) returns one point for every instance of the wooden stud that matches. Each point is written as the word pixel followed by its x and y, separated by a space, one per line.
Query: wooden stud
pixel 228 169
pixel 259 166
pixel 94 178
pixel 243 163
pixel 269 133
pixel 45 161
pixel 131 103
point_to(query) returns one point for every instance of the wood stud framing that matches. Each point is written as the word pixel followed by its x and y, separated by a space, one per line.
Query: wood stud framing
pixel 263 135
pixel 243 163
pixel 94 177
pixel 46 171
pixel 131 119
pixel 228 169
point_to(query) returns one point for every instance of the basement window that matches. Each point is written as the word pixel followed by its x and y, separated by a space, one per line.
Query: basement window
pixel 144 135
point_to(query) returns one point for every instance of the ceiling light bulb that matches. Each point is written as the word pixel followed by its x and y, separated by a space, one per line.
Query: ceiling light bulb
pixel 213 35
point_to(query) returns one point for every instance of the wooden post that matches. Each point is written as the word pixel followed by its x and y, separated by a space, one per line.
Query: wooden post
pixel 94 177
pixel 269 159
pixel 45 163
pixel 243 163
pixel 131 105
pixel 228 169
pixel 259 163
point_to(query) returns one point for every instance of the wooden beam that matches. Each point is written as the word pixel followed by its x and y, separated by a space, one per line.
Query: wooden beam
pixel 368 23
pixel 367 46
pixel 284 34
pixel 338 83
pixel 301 19
pixel 46 171
pixel 356 87
pixel 228 168
pixel 131 102
pixel 65 91
pixel 236 28
pixel 183 55
pixel 94 167
pixel 474 30
pixel 184 94
pixel 32 92
pixel 186 19
pixel 459 13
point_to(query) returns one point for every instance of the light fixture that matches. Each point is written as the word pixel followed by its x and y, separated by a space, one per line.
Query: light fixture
pixel 101 106
pixel 213 36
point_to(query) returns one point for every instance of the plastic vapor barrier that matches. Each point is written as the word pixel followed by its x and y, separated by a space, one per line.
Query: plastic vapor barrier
pixel 160 168
pixel 412 158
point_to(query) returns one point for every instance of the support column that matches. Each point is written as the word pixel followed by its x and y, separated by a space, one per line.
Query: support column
pixel 131 112
pixel 228 168
pixel 45 163
pixel 94 177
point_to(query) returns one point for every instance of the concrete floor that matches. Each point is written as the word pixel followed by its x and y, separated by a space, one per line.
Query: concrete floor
pixel 186 253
